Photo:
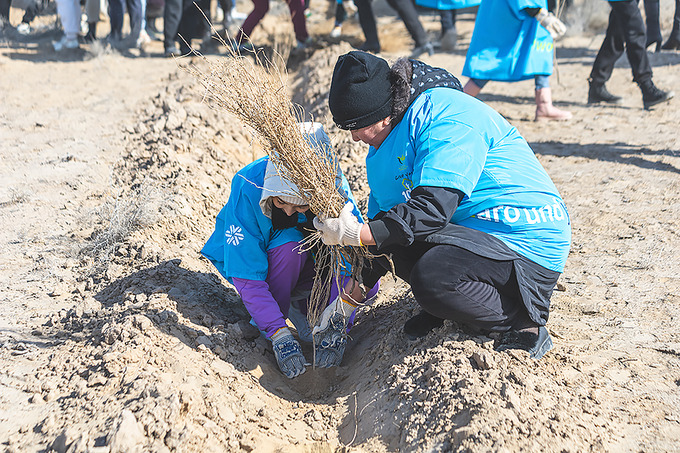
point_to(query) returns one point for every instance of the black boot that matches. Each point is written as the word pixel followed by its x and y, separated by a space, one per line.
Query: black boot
pixel 652 22
pixel 91 35
pixel 599 93
pixel 421 324
pixel 651 95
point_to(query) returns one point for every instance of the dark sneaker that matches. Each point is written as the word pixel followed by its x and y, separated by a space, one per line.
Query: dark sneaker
pixel 652 96
pixel 536 344
pixel 421 324
pixel 599 93
pixel 425 48
pixel 368 47
pixel 172 52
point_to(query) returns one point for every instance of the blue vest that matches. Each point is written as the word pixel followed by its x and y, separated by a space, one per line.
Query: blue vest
pixel 507 44
pixel 243 234
pixel 447 4
pixel 450 139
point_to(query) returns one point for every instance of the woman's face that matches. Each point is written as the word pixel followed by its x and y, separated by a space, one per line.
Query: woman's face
pixel 289 208
pixel 374 134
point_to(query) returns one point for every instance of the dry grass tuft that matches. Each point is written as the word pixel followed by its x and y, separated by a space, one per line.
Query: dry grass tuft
pixel 119 217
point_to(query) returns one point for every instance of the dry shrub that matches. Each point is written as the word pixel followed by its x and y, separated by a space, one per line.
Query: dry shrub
pixel 252 88
pixel 120 216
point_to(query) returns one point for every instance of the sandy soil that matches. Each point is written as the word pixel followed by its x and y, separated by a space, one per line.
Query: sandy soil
pixel 115 335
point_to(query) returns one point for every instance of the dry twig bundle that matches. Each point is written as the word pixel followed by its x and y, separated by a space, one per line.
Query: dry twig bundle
pixel 255 92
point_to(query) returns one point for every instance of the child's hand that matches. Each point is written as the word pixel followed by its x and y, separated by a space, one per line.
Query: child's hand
pixel 288 353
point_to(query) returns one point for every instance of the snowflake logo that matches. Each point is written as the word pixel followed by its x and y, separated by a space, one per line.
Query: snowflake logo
pixel 234 235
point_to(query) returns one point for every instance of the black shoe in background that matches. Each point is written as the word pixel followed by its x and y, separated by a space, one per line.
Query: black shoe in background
pixel 599 93
pixel 652 96
pixel 368 47
pixel 421 324
pixel 671 44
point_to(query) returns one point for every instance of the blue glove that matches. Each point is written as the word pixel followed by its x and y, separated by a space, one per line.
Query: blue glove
pixel 288 353
pixel 330 336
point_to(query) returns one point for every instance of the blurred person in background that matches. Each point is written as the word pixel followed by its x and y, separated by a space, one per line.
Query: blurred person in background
pixel 513 41
pixel 625 32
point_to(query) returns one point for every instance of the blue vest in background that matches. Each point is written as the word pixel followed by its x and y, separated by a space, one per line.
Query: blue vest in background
pixel 450 139
pixel 447 4
pixel 507 44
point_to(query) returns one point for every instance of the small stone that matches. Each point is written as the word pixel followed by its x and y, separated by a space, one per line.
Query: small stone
pixel 128 434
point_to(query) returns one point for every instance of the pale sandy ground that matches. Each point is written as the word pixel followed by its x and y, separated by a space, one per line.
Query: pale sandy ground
pixel 139 346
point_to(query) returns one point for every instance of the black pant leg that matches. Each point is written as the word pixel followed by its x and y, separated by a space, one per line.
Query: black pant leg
pixel 172 15
pixel 4 9
pixel 675 33
pixel 635 37
pixel 409 15
pixel 610 51
pixel 367 22
pixel 453 283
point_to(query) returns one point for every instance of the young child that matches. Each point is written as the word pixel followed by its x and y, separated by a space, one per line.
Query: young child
pixel 255 247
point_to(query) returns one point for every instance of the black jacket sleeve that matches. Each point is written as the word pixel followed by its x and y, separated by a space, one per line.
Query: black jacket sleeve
pixel 429 210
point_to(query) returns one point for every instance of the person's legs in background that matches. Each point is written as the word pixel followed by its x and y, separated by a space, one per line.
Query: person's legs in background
pixel 634 35
pixel 545 110
pixel 154 10
pixel 4 13
pixel 297 14
pixel 135 11
pixel 261 7
pixel 172 14
pixel 673 42
pixel 652 12
pixel 116 17
pixel 69 13
pixel 449 36
pixel 93 10
pixel 610 51
pixel 340 17
pixel 368 26
pixel 409 15
pixel 474 86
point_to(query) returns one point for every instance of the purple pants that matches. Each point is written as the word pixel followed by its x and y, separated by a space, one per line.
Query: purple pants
pixel 297 13
pixel 290 272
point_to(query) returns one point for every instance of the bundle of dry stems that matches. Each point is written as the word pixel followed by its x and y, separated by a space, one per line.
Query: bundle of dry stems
pixel 254 90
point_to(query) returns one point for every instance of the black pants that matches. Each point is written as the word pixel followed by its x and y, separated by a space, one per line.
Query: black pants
pixel 183 18
pixel 409 15
pixel 675 33
pixel 4 9
pixel 367 22
pixel 453 283
pixel 626 31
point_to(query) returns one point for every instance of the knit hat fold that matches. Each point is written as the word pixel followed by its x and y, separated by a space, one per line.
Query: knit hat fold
pixel 361 92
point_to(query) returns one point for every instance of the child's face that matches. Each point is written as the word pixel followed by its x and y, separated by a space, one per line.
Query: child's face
pixel 289 208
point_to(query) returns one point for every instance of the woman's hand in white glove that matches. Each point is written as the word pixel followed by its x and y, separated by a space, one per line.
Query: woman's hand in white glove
pixel 343 230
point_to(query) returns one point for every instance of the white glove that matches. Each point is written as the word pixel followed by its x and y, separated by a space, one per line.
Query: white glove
pixel 343 230
pixel 350 7
pixel 337 306
pixel 555 27
pixel 330 336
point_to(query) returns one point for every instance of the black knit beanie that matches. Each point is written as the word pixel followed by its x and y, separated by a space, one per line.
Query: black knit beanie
pixel 361 93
